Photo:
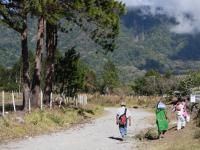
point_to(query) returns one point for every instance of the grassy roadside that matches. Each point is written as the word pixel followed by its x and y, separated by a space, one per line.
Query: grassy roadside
pixel 186 139
pixel 22 125
pixel 38 122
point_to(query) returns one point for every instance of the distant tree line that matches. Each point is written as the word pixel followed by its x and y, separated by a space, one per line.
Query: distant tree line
pixel 154 83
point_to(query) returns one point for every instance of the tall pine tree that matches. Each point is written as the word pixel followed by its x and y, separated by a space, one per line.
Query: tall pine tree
pixel 69 75
pixel 14 14
pixel 98 18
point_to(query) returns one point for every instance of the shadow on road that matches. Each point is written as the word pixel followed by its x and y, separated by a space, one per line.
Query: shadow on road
pixel 115 138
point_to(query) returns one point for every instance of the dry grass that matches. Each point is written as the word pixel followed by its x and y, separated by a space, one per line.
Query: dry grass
pixel 186 139
pixel 132 101
pixel 38 122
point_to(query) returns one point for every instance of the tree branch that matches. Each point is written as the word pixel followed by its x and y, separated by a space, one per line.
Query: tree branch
pixel 8 21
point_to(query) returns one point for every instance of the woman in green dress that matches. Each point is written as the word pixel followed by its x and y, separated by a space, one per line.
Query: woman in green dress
pixel 161 119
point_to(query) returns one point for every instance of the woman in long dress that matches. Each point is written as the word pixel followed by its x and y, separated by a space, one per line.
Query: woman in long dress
pixel 161 119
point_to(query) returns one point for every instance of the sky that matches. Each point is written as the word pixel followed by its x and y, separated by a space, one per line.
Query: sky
pixel 186 12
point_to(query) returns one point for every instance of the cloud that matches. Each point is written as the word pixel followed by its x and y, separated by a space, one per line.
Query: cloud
pixel 186 12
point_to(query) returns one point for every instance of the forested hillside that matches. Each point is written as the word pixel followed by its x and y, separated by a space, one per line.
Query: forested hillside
pixel 145 42
pixel 150 44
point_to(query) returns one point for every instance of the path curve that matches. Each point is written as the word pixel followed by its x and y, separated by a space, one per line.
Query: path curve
pixel 96 135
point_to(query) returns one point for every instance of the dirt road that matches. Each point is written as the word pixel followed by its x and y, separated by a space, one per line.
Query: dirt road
pixel 100 134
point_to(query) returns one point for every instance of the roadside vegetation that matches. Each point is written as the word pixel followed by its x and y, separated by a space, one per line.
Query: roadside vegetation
pixel 185 139
pixel 23 125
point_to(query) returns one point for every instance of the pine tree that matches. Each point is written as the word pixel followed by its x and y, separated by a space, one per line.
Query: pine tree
pixel 110 77
pixel 69 74
pixel 46 11
pixel 14 14
pixel 100 19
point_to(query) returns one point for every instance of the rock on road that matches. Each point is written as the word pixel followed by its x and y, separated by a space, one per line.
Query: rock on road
pixel 100 134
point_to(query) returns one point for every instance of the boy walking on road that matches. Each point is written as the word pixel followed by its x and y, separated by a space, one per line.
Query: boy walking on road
pixel 123 117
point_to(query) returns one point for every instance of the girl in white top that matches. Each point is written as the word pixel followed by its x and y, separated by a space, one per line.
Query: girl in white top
pixel 181 122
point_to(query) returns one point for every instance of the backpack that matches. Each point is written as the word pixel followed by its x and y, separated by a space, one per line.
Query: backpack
pixel 123 119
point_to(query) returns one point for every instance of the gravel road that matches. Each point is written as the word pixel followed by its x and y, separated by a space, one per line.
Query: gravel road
pixel 100 134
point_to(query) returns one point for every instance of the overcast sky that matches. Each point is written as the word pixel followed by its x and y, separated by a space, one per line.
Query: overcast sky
pixel 179 9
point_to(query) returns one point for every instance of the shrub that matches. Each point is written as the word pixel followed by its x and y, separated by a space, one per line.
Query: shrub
pixel 151 134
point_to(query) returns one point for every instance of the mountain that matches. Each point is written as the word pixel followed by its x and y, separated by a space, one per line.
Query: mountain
pixel 145 42
pixel 154 46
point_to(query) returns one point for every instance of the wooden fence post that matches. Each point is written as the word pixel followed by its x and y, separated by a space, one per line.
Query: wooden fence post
pixel 84 99
pixel 13 100
pixel 3 107
pixel 41 100
pixel 79 99
pixel 51 97
pixel 67 100
pixel 75 101
pixel 29 104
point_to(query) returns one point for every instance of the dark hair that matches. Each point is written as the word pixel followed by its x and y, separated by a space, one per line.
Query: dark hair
pixel 179 99
pixel 157 104
pixel 183 100
pixel 188 98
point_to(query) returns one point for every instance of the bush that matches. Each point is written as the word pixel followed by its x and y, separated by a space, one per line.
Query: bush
pixel 151 134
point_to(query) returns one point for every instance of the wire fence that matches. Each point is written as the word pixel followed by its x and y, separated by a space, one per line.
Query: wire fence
pixel 13 101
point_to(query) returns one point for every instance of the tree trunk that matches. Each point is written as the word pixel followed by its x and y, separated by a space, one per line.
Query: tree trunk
pixel 38 63
pixel 51 45
pixel 25 64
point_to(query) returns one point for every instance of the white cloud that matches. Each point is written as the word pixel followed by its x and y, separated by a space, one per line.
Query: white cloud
pixel 179 9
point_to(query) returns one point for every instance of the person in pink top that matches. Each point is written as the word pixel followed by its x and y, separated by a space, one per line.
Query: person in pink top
pixel 179 108
pixel 185 111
